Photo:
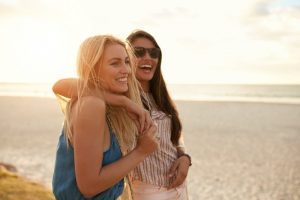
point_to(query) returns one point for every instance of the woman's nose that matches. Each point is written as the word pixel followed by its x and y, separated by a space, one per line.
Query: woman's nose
pixel 125 69
pixel 147 55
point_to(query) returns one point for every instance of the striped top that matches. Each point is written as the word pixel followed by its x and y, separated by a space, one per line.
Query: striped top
pixel 155 168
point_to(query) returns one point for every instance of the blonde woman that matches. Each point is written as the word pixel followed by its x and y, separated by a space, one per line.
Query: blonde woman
pixel 89 162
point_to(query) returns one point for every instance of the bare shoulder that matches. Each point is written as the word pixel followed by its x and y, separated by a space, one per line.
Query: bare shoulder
pixel 91 105
pixel 92 100
pixel 88 120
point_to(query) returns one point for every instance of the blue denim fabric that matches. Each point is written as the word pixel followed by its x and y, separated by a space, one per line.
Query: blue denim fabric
pixel 64 181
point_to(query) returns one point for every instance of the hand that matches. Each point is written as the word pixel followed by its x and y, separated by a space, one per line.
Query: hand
pixel 178 172
pixel 147 143
pixel 139 115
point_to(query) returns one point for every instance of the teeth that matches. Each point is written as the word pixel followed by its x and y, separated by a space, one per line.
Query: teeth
pixel 146 66
pixel 122 79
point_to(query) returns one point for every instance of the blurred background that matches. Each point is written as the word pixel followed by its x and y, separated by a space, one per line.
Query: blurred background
pixel 235 42
pixel 232 66
pixel 216 43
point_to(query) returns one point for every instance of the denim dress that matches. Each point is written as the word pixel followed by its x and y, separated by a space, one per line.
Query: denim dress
pixel 64 184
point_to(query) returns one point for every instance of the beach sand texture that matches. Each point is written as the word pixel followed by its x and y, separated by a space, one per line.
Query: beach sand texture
pixel 240 150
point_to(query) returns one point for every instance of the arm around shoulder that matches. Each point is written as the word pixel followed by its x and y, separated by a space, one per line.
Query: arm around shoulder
pixel 66 87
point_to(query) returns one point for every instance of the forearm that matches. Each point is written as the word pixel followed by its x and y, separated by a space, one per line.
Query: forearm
pixel 181 147
pixel 116 100
pixel 69 88
pixel 66 87
pixel 181 150
pixel 114 172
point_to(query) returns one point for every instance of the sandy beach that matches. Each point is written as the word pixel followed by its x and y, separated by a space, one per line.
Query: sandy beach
pixel 240 150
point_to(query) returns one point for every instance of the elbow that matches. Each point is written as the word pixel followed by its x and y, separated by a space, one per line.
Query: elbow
pixel 86 194
pixel 54 88
pixel 88 190
pixel 58 87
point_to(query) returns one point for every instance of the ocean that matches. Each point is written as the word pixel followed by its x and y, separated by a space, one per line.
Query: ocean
pixel 195 92
pixel 237 92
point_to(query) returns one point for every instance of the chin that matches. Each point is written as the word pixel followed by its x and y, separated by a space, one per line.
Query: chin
pixel 145 78
pixel 121 91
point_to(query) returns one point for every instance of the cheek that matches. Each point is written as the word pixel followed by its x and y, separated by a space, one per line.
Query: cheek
pixel 107 78
pixel 155 64
pixel 138 61
pixel 137 73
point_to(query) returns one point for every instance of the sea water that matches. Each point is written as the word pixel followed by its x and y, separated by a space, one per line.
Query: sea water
pixel 237 92
pixel 197 92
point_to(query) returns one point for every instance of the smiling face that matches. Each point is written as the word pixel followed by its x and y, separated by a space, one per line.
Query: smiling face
pixel 146 64
pixel 115 69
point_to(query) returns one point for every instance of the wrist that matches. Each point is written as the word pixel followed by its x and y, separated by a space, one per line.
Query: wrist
pixel 180 151
pixel 188 156
pixel 124 101
pixel 140 153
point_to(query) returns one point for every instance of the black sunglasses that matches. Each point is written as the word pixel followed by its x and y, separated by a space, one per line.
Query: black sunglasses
pixel 141 51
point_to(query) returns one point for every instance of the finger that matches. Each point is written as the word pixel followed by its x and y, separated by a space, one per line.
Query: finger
pixel 137 125
pixel 142 122
pixel 152 130
pixel 173 168
pixel 147 120
pixel 175 183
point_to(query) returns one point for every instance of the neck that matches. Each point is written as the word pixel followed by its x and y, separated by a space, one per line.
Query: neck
pixel 145 85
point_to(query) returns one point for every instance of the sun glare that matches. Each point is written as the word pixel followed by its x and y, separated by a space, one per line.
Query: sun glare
pixel 236 41
pixel 38 53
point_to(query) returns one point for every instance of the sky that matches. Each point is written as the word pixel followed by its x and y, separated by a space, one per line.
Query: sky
pixel 203 42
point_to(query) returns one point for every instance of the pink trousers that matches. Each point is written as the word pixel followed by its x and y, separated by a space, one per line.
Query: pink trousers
pixel 145 191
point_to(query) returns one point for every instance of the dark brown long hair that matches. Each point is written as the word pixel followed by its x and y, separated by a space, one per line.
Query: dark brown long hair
pixel 159 90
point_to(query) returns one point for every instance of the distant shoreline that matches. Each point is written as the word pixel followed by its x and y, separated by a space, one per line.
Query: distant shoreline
pixel 289 93
pixel 212 100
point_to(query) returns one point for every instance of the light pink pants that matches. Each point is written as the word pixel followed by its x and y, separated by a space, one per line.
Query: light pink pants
pixel 145 191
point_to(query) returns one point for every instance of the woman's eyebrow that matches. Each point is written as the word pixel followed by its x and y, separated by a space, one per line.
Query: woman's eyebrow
pixel 117 59
pixel 114 59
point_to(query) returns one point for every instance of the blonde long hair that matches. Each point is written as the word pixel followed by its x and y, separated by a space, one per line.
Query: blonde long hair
pixel 89 56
